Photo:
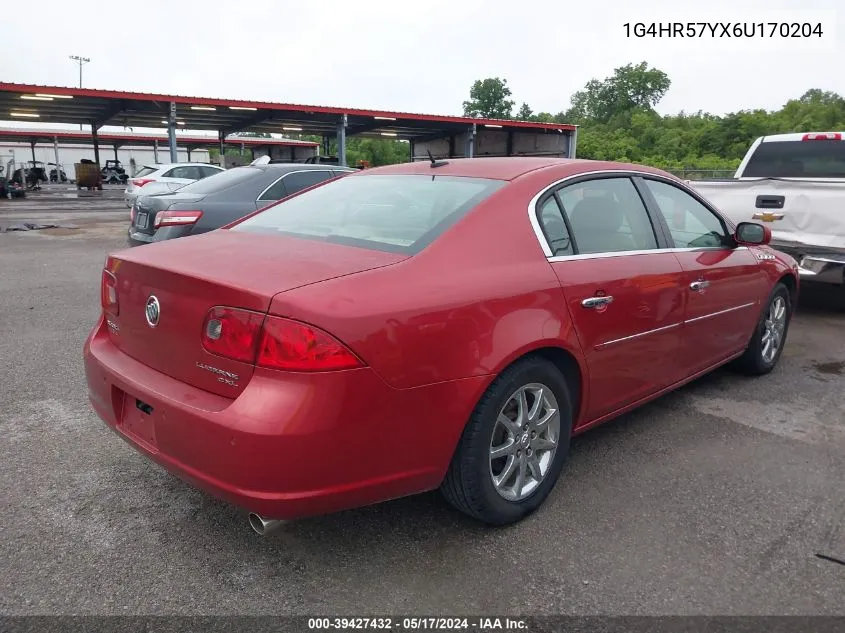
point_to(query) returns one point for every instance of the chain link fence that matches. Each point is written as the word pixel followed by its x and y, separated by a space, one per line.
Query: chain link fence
pixel 703 174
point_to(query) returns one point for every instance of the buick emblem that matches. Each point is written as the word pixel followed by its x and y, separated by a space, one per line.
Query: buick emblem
pixel 153 311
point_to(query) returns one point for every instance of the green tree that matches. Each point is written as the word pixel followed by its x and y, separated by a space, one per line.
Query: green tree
pixel 525 113
pixel 488 98
pixel 630 88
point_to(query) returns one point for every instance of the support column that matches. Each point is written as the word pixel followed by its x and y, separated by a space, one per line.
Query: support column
pixel 469 152
pixel 509 150
pixel 452 146
pixel 155 151
pixel 58 167
pixel 573 141
pixel 32 147
pixel 189 153
pixel 115 152
pixel 341 141
pixel 292 154
pixel 171 133
pixel 96 145
pixel 221 138
pixel 411 150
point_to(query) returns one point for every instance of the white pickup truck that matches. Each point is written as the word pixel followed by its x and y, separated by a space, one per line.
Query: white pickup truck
pixel 795 183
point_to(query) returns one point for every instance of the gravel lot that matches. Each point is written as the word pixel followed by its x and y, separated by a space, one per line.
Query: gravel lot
pixel 713 500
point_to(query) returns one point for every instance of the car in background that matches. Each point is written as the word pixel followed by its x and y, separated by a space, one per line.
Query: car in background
pixel 209 204
pixel 795 183
pixel 414 327
pixel 167 177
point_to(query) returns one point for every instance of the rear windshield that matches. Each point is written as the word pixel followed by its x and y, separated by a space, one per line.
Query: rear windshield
pixel 400 214
pixel 222 180
pixel 145 171
pixel 797 159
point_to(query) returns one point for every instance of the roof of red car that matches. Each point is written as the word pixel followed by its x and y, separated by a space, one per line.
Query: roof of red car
pixel 505 168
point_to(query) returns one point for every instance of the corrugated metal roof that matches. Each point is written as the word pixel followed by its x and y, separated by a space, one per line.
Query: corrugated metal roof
pixel 390 117
pixel 26 134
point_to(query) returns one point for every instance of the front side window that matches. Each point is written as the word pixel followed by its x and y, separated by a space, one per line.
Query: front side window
pixel 691 224
pixel 607 215
pixel 393 213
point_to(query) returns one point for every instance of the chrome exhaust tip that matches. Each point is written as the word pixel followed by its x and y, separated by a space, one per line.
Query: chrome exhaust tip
pixel 263 526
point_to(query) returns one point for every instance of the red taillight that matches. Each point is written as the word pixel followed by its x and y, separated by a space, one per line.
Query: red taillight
pixel 176 218
pixel 108 293
pixel 826 136
pixel 296 346
pixel 232 333
pixel 140 182
pixel 273 342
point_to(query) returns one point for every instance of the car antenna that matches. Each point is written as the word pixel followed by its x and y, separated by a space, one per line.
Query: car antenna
pixel 436 163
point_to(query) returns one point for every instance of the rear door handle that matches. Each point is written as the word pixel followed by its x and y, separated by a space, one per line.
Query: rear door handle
pixel 699 285
pixel 596 302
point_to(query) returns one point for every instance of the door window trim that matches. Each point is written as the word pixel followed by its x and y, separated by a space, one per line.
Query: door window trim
pixel 286 174
pixel 664 245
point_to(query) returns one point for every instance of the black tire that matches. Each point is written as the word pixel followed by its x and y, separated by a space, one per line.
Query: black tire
pixel 468 485
pixel 752 361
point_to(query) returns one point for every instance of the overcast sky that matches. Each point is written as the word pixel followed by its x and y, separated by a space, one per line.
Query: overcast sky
pixel 419 56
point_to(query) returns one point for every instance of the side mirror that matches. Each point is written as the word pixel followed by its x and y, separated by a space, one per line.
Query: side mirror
pixel 752 234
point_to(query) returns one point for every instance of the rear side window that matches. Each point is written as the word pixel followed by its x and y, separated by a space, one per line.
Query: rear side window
pixel 401 214
pixel 300 180
pixel 145 171
pixel 222 180
pixel 554 227
pixel 797 159
pixel 189 172
pixel 209 171
pixel 607 215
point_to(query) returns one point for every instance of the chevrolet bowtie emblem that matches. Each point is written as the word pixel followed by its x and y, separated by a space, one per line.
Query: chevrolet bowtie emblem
pixel 768 216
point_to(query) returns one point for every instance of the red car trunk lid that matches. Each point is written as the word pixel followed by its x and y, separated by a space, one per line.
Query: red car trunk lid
pixel 189 276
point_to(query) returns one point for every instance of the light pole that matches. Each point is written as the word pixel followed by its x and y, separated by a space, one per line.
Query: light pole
pixel 81 61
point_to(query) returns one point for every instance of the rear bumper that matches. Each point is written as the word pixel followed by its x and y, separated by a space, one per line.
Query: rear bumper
pixel 821 265
pixel 290 445
pixel 822 269
pixel 136 238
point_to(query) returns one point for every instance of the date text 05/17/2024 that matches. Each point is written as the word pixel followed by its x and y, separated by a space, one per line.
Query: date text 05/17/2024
pixel 717 30
pixel 481 624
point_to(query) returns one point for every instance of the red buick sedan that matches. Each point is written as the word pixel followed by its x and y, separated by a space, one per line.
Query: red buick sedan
pixel 429 325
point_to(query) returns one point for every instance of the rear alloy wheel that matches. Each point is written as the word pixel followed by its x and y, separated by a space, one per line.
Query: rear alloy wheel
pixel 514 447
pixel 524 441
pixel 769 336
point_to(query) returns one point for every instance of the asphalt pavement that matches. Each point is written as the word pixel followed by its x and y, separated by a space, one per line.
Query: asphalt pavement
pixel 715 500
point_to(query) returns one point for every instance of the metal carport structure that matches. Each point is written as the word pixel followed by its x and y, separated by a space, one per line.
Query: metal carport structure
pixel 116 140
pixel 444 136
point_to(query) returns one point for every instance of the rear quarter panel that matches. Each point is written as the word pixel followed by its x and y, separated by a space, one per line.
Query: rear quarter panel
pixel 476 299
